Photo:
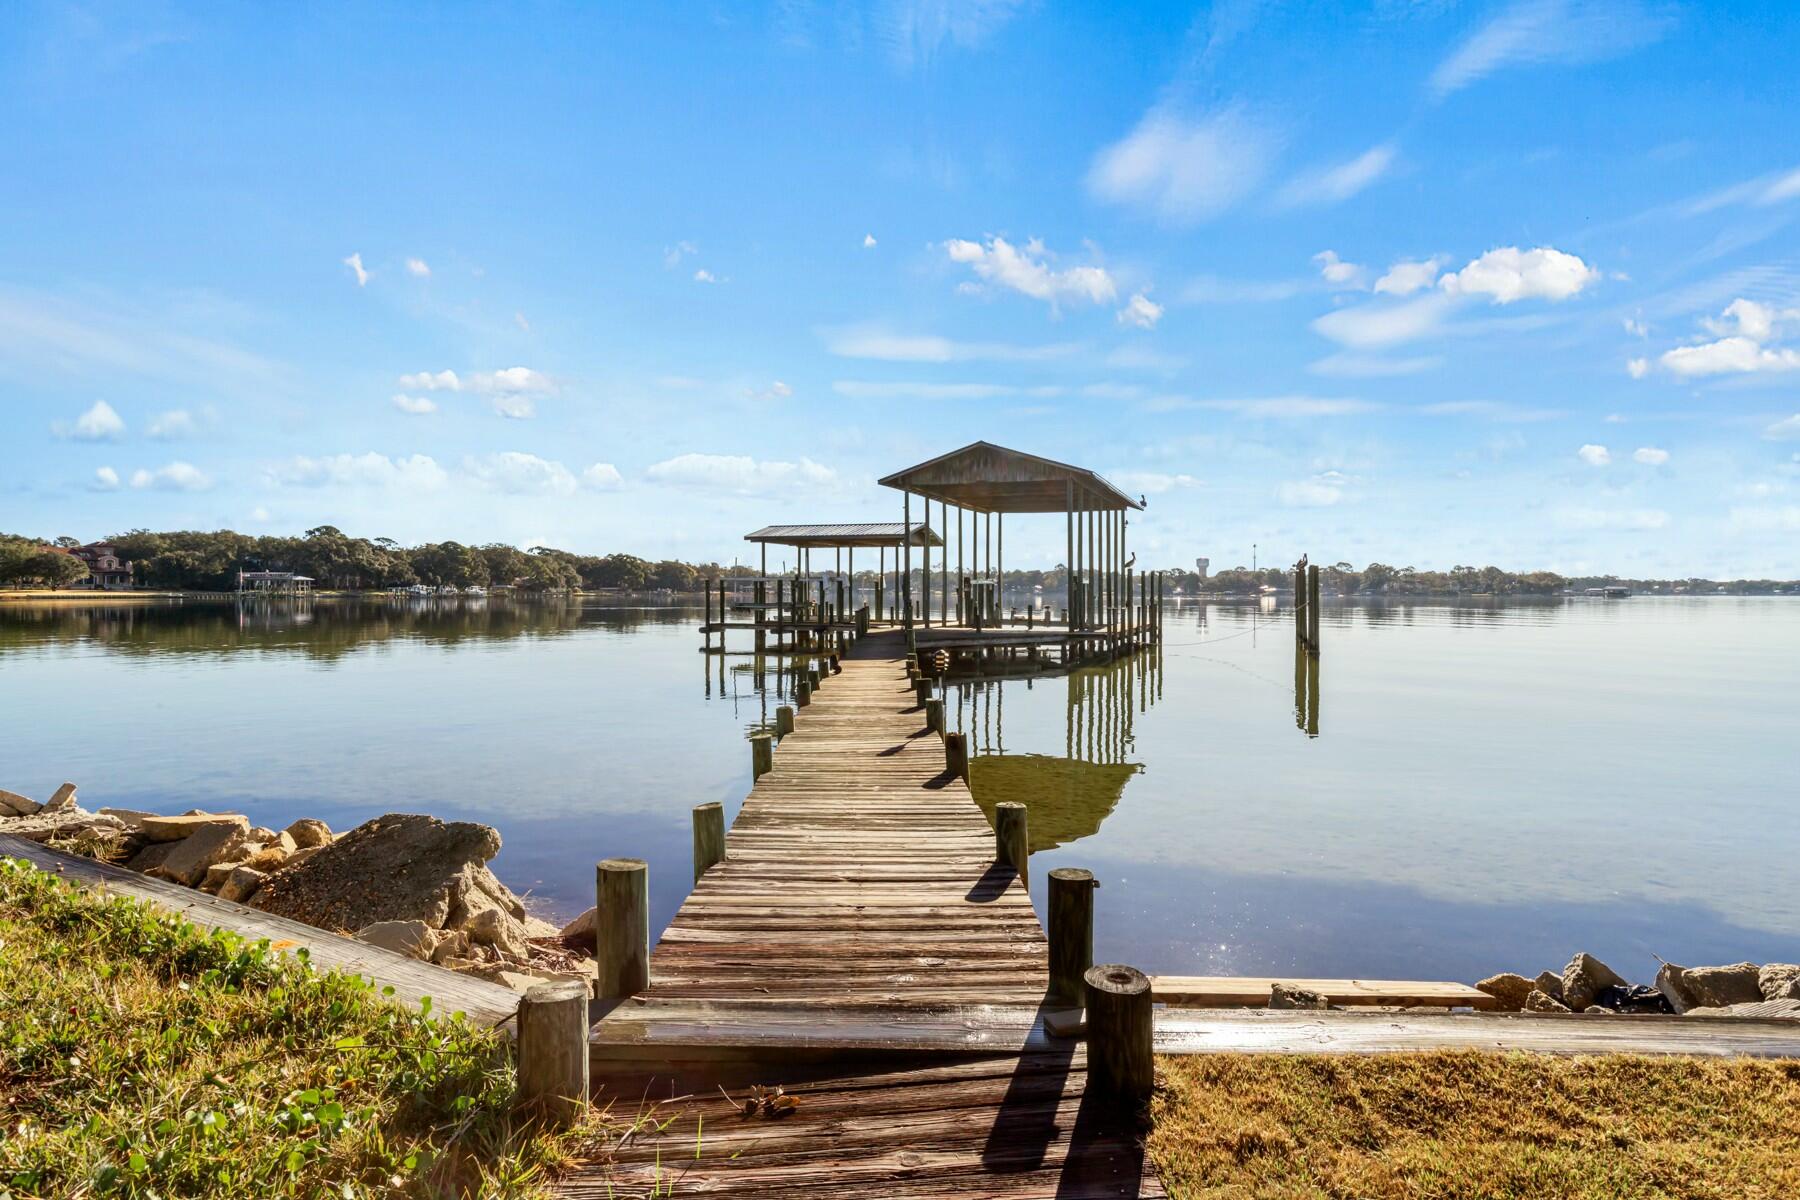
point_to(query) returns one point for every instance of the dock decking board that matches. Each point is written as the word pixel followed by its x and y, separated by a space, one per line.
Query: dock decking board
pixel 858 915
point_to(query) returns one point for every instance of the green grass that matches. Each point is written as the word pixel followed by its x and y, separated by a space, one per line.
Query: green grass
pixel 1457 1126
pixel 141 1056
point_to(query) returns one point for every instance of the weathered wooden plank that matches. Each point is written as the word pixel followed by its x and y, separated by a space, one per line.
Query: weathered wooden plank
pixel 412 980
pixel 1227 991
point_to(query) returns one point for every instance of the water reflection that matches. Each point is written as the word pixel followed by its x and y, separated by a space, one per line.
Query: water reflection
pixel 1306 691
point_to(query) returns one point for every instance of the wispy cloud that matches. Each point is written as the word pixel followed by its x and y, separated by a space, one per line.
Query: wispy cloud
pixel 1338 182
pixel 884 345
pixel 176 423
pixel 1378 325
pixel 1027 270
pixel 916 31
pixel 355 263
pixel 173 477
pixel 1538 32
pixel 1279 407
pixel 1183 169
pixel 862 389
pixel 418 267
pixel 416 472
pixel 736 474
pixel 1371 366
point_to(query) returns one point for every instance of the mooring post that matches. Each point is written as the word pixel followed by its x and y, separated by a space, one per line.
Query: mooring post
pixel 1119 1033
pixel 709 836
pixel 553 1051
pixel 762 755
pixel 837 665
pixel 922 690
pixel 956 755
pixel 813 677
pixel 621 927
pixel 1312 607
pixel 934 714
pixel 784 721
pixel 1071 931
pixel 1012 845
pixel 802 693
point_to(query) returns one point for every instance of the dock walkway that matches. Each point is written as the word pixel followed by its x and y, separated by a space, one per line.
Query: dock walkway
pixel 860 947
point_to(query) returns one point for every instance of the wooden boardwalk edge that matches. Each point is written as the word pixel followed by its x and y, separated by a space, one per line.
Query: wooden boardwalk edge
pixel 482 1002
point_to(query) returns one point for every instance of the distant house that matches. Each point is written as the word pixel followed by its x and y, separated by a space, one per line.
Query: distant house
pixel 106 570
pixel 284 582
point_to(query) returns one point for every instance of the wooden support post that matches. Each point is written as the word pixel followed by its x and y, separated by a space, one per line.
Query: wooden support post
pixel 837 665
pixel 709 835
pixel 553 1051
pixel 1071 931
pixel 956 755
pixel 1312 607
pixel 922 690
pixel 762 755
pixel 622 927
pixel 934 714
pixel 813 677
pixel 1012 845
pixel 1119 1033
pixel 802 693
pixel 784 721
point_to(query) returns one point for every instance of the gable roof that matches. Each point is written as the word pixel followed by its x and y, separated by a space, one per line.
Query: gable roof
pixel 988 478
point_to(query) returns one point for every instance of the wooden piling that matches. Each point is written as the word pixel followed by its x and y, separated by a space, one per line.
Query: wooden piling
pixel 837 666
pixel 553 1051
pixel 802 693
pixel 1312 607
pixel 1119 1033
pixel 784 721
pixel 956 755
pixel 922 690
pixel 762 755
pixel 1012 844
pixel 709 837
pixel 934 714
pixel 1071 931
pixel 622 927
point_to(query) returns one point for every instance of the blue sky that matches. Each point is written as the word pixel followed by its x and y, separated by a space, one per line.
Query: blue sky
pixel 1426 283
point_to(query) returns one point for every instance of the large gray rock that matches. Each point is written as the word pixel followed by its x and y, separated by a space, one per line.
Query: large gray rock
pixel 192 855
pixel 132 818
pixel 242 884
pixel 1282 995
pixel 398 867
pixel 1671 981
pixel 1508 990
pixel 1583 978
pixel 62 826
pixel 62 800
pixel 415 939
pixel 148 860
pixel 1550 983
pixel 1779 981
pixel 309 832
pixel 174 829
pixel 581 929
pixel 493 927
pixel 1720 987
pixel 14 805
pixel 1540 1001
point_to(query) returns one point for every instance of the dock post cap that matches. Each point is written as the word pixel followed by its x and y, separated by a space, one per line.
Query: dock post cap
pixel 552 990
pixel 1117 979
pixel 623 864
pixel 1077 875
pixel 712 804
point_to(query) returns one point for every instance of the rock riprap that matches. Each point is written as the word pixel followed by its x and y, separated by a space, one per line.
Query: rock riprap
pixel 398 867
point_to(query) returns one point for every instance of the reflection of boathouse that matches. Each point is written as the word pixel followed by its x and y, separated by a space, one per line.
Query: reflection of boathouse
pixel 274 583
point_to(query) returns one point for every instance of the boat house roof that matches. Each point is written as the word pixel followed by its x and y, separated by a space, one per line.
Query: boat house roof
pixel 984 477
pixel 879 533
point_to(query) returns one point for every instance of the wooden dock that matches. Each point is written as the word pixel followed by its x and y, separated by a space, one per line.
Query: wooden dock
pixel 860 947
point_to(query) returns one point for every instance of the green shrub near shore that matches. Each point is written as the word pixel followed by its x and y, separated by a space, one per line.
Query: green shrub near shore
pixel 141 1056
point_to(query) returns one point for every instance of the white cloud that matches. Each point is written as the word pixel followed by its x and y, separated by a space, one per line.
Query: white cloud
pixel 868 241
pixel 259 514
pixel 1372 326
pixel 1141 311
pixel 1363 366
pixel 1650 456
pixel 105 480
pixel 1491 409
pixel 1637 368
pixel 1151 483
pixel 1732 355
pixel 859 389
pixel 1759 192
pixel 417 406
pixel 1533 32
pixel 1287 406
pixel 872 342
pixel 1309 494
pixel 98 424
pixel 418 267
pixel 1183 169
pixel 738 474
pixel 514 406
pixel 520 474
pixel 1408 276
pixel 445 381
pixel 1329 185
pixel 1594 456
pixel 915 30
pixel 354 262
pixel 1142 358
pixel 1334 270
pixel 175 423
pixel 1627 520
pixel 602 477
pixel 174 477
pixel 705 276
pixel 1508 273
pixel 1027 270
pixel 1636 328
pixel 672 255
pixel 521 322
pixel 417 472
pixel 513 379
pixel 1785 430
pixel 1747 318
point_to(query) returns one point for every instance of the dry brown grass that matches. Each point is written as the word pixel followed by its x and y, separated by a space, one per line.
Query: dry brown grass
pixel 1456 1126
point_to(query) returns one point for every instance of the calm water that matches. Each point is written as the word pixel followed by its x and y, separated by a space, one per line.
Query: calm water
pixel 1489 787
